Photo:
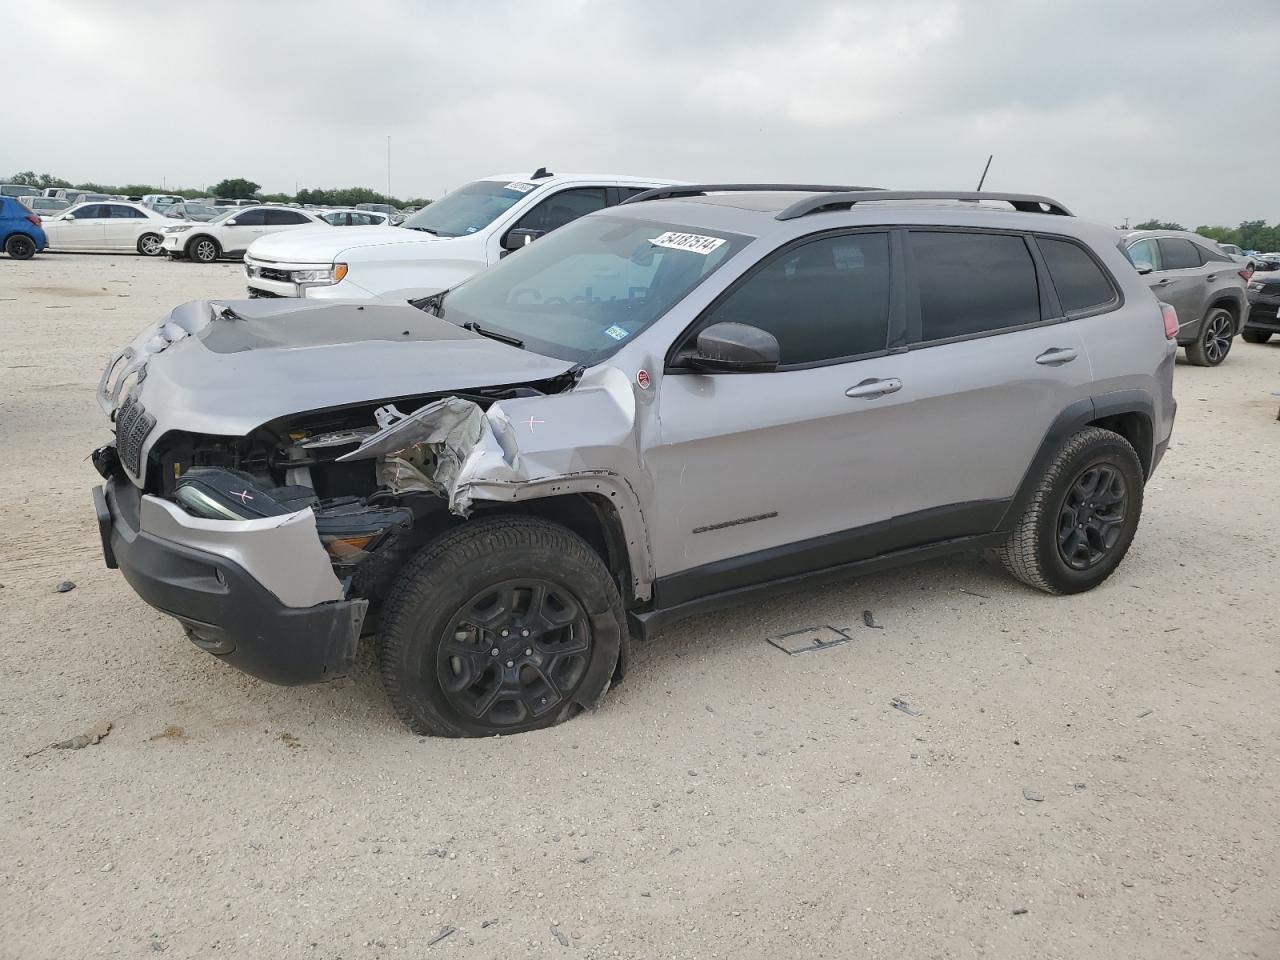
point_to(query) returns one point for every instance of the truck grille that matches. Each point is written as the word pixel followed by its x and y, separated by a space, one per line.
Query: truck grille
pixel 133 424
pixel 271 273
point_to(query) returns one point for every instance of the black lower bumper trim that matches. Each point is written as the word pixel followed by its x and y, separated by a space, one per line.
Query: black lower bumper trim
pixel 225 610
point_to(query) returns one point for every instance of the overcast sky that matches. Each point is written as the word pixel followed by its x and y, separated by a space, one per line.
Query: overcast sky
pixel 1116 109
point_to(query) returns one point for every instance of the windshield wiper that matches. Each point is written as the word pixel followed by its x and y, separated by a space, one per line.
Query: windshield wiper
pixel 424 230
pixel 500 337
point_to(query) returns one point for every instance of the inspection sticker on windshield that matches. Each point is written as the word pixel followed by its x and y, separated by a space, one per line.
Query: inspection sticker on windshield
pixel 617 332
pixel 693 242
pixel 519 186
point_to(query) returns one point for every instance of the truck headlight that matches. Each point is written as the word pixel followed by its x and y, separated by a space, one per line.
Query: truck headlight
pixel 333 274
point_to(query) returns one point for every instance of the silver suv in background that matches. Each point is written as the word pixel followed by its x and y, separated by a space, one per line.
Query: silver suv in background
pixel 1201 281
pixel 664 407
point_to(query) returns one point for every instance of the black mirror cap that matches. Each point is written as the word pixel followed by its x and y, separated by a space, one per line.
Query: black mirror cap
pixel 736 347
pixel 519 237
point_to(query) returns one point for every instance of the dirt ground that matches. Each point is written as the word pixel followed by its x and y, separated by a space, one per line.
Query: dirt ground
pixel 726 800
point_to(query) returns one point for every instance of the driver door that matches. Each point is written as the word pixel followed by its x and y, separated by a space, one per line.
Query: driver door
pixel 760 475
pixel 86 232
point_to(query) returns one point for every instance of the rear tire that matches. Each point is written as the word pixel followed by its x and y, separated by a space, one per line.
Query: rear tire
pixel 203 250
pixel 1214 342
pixel 500 626
pixel 151 245
pixel 1256 336
pixel 20 247
pixel 1082 516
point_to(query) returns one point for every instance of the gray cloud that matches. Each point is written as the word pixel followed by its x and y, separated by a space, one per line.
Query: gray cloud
pixel 1117 109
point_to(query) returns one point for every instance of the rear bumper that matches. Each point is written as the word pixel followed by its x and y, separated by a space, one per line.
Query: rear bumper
pixel 226 610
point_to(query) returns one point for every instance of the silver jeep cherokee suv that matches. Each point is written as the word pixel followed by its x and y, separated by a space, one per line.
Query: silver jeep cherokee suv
pixel 659 409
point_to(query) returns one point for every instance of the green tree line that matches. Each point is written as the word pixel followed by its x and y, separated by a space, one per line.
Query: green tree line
pixel 1250 235
pixel 236 188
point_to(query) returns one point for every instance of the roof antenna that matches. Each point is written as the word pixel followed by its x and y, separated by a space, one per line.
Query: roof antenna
pixel 983 178
pixel 540 174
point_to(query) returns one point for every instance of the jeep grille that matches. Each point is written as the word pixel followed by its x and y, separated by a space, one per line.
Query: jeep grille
pixel 133 424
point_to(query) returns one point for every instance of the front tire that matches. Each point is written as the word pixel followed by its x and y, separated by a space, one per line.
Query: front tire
pixel 1082 516
pixel 203 250
pixel 151 245
pixel 1256 336
pixel 501 626
pixel 20 247
pixel 1214 342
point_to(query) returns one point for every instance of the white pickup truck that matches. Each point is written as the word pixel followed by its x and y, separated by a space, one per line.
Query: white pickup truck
pixel 439 246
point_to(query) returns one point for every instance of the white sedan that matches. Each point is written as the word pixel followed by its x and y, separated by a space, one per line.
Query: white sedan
pixel 113 225
pixel 231 234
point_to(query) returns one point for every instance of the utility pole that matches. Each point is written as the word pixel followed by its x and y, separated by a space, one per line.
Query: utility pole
pixel 388 168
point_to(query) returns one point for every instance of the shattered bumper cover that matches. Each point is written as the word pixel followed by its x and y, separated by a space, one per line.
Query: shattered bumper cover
pixel 227 610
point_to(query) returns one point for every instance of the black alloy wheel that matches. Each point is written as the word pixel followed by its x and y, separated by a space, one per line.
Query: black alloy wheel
pixel 514 652
pixel 1092 516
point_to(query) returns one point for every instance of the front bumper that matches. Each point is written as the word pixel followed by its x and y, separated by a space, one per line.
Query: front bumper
pixel 175 243
pixel 225 609
pixel 1263 315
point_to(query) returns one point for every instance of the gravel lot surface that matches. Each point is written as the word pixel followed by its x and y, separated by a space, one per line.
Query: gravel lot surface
pixel 1095 776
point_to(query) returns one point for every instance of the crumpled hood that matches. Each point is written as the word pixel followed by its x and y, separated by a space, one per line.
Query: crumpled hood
pixel 324 245
pixel 203 369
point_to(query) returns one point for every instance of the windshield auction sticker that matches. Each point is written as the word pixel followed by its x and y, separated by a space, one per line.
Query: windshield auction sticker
pixel 520 187
pixel 693 242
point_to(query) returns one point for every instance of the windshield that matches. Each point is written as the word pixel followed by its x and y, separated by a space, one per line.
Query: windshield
pixel 200 211
pixel 468 208
pixel 581 292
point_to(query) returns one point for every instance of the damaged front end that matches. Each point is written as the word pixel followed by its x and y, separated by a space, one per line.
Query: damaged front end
pixel 275 550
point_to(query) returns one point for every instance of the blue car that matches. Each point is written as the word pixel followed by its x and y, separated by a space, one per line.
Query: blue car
pixel 20 232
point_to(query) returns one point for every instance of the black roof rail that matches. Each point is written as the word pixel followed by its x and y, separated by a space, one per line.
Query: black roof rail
pixel 698 189
pixel 1022 202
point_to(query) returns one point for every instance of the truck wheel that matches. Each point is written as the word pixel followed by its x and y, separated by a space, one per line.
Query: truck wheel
pixel 203 250
pixel 151 245
pixel 500 626
pixel 1256 336
pixel 1082 516
pixel 1214 343
pixel 20 247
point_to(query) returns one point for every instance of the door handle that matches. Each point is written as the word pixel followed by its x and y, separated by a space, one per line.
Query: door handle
pixel 1163 283
pixel 1212 276
pixel 870 389
pixel 1055 356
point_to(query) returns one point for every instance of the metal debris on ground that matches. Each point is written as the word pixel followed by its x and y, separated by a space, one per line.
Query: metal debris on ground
pixel 869 619
pixel 560 937
pixel 808 640
pixel 444 932
pixel 1019 911
pixel 66 586
pixel 1031 795
pixel 899 704
pixel 488 923
pixel 1145 713
pixel 974 593
pixel 79 741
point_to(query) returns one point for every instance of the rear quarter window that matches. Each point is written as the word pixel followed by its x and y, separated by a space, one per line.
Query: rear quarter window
pixel 1081 283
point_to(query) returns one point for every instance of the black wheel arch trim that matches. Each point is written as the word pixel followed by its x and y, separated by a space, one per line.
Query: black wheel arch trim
pixel 1078 415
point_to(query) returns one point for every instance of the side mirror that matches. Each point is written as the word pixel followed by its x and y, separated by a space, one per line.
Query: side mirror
pixel 230 223
pixel 736 348
pixel 1143 267
pixel 69 216
pixel 520 237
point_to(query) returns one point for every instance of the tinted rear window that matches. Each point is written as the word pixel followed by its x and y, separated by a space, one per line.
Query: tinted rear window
pixel 973 283
pixel 1080 282
pixel 1178 254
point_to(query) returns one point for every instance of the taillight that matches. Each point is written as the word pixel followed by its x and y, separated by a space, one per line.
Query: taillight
pixel 34 219
pixel 1170 320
